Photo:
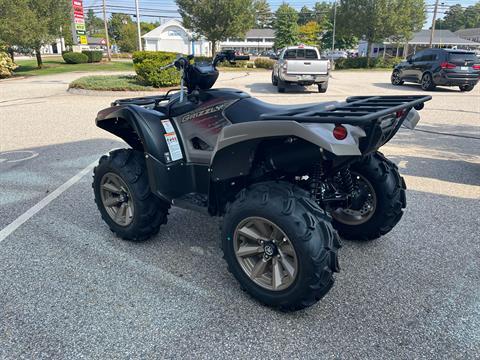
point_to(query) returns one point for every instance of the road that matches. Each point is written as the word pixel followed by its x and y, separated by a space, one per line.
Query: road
pixel 70 289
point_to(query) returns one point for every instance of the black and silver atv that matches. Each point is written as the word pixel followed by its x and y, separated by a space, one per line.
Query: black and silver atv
pixel 285 179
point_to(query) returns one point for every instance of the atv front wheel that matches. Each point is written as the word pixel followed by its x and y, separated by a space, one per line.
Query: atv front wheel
pixel 379 201
pixel 123 196
pixel 280 245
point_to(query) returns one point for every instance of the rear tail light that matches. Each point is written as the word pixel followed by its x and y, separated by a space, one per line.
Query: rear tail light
pixel 476 67
pixel 447 65
pixel 340 132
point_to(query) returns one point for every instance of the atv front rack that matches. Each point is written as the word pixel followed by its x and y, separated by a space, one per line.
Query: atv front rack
pixel 146 100
pixel 357 110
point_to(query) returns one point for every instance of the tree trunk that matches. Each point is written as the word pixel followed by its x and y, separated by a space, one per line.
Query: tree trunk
pixel 398 46
pixel 369 50
pixel 39 58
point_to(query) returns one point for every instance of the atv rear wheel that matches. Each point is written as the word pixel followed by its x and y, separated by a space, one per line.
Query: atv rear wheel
pixel 280 245
pixel 382 190
pixel 123 196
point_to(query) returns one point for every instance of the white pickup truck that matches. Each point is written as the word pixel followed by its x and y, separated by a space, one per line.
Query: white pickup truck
pixel 300 65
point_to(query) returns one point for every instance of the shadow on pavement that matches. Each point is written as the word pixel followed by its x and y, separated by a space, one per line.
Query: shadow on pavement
pixel 268 88
pixel 416 88
pixel 27 175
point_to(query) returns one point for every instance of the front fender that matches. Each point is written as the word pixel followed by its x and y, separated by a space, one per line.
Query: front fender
pixel 141 128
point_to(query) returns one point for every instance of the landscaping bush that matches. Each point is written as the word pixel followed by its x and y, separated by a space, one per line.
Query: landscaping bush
pixel 6 65
pixel 94 56
pixel 361 63
pixel 75 58
pixel 237 64
pixel 147 65
pixel 264 63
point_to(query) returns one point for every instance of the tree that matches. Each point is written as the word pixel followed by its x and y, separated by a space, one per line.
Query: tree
pixel 309 34
pixel 263 14
pixel 93 24
pixel 30 24
pixel 305 15
pixel 286 27
pixel 374 20
pixel 217 20
pixel 457 17
pixel 411 16
pixel 323 13
pixel 116 24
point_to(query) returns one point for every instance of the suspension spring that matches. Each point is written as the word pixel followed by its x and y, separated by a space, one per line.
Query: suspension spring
pixel 347 181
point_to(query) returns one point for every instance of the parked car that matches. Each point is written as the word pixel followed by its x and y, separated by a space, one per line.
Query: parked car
pixel 445 67
pixel 300 65
pixel 335 55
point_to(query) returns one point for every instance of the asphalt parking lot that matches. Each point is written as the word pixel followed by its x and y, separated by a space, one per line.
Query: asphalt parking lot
pixel 70 289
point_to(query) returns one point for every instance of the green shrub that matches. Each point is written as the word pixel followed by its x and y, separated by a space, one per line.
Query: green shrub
pixel 94 56
pixel 147 65
pixel 236 64
pixel 6 65
pixel 75 58
pixel 264 63
pixel 361 63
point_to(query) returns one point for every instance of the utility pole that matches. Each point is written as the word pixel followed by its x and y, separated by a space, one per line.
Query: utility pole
pixel 109 55
pixel 433 22
pixel 138 26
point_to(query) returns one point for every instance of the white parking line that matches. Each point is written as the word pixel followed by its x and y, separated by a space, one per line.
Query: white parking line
pixel 15 224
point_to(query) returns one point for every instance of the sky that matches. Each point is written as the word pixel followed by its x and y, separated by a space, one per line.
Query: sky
pixel 151 10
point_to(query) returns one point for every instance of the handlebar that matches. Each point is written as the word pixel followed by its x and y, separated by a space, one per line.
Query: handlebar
pixel 228 55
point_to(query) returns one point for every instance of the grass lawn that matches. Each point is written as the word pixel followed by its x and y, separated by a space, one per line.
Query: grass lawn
pixel 56 65
pixel 110 83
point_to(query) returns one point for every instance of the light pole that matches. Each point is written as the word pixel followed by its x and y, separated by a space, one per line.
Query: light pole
pixel 138 26
pixel 109 55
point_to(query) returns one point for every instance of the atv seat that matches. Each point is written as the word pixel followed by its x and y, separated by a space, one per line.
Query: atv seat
pixel 251 109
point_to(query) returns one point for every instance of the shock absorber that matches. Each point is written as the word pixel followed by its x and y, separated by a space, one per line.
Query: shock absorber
pixel 347 181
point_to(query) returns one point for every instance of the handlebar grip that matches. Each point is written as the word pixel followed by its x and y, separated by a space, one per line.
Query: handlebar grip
pixel 242 57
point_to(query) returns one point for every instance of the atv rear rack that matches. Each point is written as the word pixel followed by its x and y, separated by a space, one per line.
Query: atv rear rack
pixel 357 110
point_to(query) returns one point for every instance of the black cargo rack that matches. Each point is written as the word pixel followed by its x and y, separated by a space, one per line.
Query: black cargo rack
pixel 357 110
pixel 145 100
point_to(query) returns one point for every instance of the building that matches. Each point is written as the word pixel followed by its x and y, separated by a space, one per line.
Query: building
pixel 469 34
pixel 55 47
pixel 173 37
pixel 419 41
pixel 255 42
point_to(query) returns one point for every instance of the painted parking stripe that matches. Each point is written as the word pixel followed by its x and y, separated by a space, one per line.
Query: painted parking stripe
pixel 15 224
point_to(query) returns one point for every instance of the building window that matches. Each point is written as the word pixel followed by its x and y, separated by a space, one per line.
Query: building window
pixel 254 40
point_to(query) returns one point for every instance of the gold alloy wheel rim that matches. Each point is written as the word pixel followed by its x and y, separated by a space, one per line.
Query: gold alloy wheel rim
pixel 265 253
pixel 117 199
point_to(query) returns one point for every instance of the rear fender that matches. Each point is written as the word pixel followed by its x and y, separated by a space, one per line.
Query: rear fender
pixel 236 145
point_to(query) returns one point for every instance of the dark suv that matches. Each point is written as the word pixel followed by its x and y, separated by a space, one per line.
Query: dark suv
pixel 446 67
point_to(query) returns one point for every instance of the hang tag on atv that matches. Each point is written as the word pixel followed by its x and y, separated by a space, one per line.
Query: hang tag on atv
pixel 173 146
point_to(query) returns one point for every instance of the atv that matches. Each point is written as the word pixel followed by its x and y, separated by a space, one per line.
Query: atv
pixel 287 180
